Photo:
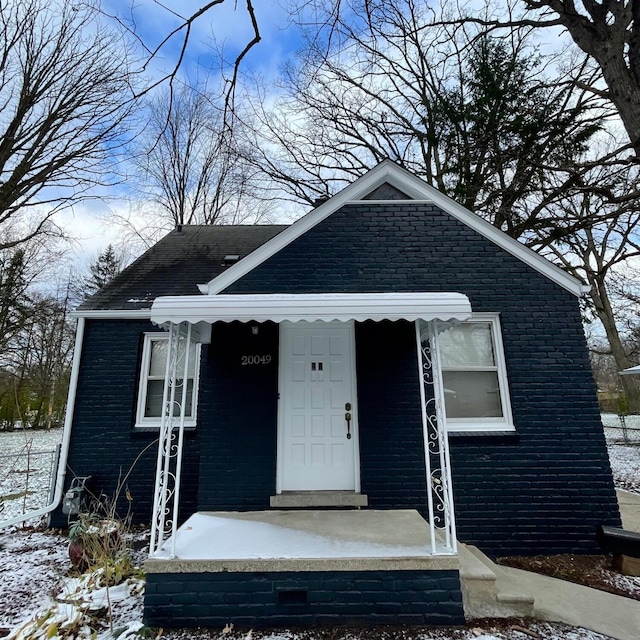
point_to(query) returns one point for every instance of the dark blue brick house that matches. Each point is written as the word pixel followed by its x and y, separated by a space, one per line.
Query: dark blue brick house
pixel 389 355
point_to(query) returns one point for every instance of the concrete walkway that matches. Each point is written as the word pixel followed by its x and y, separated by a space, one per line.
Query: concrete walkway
pixel 560 601
pixel 629 510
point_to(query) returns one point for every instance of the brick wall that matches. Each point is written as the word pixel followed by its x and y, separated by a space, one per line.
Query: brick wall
pixel 315 598
pixel 238 413
pixel 391 444
pixel 104 444
pixel 543 489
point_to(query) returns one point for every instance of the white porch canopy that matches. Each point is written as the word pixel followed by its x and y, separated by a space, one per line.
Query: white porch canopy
pixel 184 317
pixel 310 307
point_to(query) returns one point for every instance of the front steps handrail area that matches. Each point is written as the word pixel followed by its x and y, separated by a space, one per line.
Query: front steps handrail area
pixel 487 592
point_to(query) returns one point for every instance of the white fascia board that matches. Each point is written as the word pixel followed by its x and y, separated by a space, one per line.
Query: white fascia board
pixel 384 172
pixel 630 371
pixel 112 314
pixel 310 307
pixel 509 244
pixel 419 191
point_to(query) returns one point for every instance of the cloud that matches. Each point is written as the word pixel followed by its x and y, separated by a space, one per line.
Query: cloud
pixel 226 26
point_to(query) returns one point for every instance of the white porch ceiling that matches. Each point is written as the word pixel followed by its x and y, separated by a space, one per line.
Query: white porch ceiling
pixel 311 307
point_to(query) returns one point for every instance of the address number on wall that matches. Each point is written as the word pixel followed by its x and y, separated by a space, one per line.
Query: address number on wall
pixel 253 360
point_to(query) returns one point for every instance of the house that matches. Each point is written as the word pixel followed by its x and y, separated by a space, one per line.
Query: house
pixel 385 377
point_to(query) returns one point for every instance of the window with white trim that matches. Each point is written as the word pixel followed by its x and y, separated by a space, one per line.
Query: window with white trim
pixel 474 377
pixel 151 387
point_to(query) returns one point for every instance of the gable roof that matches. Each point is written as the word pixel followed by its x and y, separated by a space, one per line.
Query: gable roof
pixel 175 265
pixel 379 179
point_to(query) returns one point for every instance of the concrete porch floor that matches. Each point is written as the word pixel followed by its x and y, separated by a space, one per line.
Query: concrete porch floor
pixel 307 540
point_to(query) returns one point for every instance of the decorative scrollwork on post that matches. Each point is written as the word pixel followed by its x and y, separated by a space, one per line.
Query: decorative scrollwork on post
pixel 437 463
pixel 168 468
pixel 432 435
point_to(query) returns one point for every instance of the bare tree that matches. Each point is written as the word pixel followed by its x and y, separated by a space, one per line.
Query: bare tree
pixel 35 336
pixel 65 93
pixel 608 32
pixel 483 119
pixel 597 252
pixel 51 345
pixel 190 165
pixel 605 373
pixel 20 269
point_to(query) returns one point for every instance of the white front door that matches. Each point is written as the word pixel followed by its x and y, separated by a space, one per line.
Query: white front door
pixel 317 425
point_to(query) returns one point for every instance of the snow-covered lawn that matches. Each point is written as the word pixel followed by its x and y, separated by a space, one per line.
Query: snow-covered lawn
pixel 625 465
pixel 41 598
pixel 623 442
pixel 27 459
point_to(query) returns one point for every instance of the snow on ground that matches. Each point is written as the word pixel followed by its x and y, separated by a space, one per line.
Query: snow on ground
pixel 630 584
pixel 625 465
pixel 302 534
pixel 33 565
pixel 27 459
pixel 36 570
pixel 40 595
pixel 623 442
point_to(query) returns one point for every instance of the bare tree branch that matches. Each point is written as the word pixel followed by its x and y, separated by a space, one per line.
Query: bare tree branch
pixel 607 31
pixel 184 30
pixel 189 164
pixel 66 96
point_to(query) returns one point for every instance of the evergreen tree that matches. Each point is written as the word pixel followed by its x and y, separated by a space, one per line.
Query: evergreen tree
pixel 102 270
pixel 14 299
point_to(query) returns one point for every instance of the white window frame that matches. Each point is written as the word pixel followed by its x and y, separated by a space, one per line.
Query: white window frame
pixel 480 424
pixel 154 422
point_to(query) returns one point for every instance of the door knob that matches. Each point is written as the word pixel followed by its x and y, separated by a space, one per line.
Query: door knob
pixel 347 417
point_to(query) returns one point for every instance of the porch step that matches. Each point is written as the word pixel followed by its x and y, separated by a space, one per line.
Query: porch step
pixel 318 499
pixel 486 590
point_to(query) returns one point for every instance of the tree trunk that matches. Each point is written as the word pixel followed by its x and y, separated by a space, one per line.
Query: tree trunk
pixel 604 37
pixel 625 95
pixel 605 314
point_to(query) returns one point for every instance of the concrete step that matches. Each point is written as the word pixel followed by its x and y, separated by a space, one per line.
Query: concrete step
pixel 486 590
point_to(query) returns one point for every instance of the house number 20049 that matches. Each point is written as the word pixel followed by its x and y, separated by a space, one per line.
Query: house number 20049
pixel 247 360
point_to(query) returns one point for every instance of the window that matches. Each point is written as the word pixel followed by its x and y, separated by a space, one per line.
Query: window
pixel 474 379
pixel 154 362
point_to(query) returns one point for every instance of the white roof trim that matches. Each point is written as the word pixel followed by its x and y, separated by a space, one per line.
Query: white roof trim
pixel 630 371
pixel 418 190
pixel 311 307
pixel 112 314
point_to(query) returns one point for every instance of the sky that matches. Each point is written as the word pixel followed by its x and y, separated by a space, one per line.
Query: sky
pixel 225 26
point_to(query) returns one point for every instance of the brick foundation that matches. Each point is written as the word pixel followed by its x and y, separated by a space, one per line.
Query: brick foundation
pixel 275 599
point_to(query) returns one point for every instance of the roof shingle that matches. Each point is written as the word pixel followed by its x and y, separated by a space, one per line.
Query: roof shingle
pixel 178 263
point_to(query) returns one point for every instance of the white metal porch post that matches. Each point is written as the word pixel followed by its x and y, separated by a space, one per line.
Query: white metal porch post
pixel 436 444
pixel 169 464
